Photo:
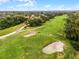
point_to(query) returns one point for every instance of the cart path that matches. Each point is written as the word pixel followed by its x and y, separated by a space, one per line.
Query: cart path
pixel 17 31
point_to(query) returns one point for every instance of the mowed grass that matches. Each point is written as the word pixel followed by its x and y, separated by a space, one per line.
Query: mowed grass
pixel 11 29
pixel 19 47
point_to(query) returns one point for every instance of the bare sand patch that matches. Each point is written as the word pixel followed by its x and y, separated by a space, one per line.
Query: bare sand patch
pixel 54 47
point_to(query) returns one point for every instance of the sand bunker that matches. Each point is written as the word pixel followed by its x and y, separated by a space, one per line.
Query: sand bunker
pixel 30 34
pixel 54 47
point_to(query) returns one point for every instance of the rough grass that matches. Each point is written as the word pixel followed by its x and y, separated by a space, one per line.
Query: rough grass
pixel 9 30
pixel 19 47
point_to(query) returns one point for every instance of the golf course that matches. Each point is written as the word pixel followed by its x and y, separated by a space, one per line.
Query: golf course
pixel 29 42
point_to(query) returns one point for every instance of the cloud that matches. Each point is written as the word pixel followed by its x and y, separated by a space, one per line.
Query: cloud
pixel 32 8
pixel 47 6
pixel 27 3
pixel 25 0
pixel 20 2
pixel 23 5
pixel 3 1
pixel 50 7
pixel 76 7
pixel 18 9
pixel 56 7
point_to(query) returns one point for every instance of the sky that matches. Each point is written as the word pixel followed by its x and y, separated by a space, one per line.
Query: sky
pixel 39 5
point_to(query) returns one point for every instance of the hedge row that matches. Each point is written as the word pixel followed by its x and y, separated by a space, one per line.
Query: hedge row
pixel 11 21
pixel 38 20
pixel 31 20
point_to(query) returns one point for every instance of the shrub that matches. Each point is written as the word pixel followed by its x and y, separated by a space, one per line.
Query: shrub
pixel 34 22
pixel 38 20
pixel 44 17
pixel 72 29
pixel 11 21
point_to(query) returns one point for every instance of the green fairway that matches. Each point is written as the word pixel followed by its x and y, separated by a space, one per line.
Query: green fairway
pixel 19 47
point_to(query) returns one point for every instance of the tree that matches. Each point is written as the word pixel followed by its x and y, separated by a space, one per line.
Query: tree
pixel 72 29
